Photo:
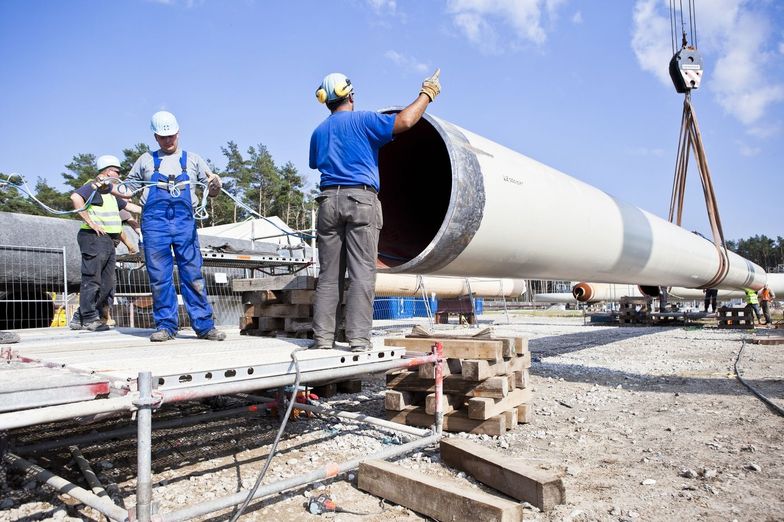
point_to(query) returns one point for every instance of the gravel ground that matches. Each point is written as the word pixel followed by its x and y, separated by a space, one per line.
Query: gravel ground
pixel 642 423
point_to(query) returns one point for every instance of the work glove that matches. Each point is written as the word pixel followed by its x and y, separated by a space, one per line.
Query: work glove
pixel 431 86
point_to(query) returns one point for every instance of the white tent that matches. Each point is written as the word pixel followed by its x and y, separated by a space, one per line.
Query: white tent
pixel 269 230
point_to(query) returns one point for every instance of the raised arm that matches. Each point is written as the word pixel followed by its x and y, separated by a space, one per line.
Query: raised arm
pixel 408 117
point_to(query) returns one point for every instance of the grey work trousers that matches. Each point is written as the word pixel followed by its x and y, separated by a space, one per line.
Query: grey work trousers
pixel 98 278
pixel 348 225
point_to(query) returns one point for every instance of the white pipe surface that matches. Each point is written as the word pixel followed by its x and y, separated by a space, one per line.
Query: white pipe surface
pixel 412 285
pixel 458 204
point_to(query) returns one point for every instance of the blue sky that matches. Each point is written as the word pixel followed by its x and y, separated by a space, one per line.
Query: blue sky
pixel 578 85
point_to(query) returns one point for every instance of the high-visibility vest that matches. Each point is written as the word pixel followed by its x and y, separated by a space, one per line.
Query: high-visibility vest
pixel 106 215
pixel 751 297
pixel 765 295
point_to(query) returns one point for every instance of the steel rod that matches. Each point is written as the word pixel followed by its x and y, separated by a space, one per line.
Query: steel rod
pixel 87 471
pixel 104 505
pixel 18 419
pixel 358 417
pixel 144 448
pixel 328 471
pixel 93 438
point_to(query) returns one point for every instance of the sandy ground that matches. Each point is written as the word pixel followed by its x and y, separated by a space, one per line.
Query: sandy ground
pixel 642 423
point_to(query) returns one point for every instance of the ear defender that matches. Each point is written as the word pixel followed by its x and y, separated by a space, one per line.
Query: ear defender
pixel 321 95
pixel 341 91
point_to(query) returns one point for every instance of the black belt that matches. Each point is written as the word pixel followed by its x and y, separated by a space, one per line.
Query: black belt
pixel 363 187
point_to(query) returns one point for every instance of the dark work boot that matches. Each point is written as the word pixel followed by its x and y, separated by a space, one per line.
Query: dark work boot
pixel 161 335
pixel 213 335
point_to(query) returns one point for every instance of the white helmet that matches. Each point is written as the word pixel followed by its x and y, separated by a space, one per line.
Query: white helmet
pixel 106 161
pixel 164 124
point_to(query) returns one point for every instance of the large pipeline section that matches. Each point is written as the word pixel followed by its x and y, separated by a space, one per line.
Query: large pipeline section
pixel 595 292
pixel 458 204
pixel 413 286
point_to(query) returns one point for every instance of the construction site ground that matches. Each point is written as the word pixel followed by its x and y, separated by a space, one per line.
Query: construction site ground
pixel 643 423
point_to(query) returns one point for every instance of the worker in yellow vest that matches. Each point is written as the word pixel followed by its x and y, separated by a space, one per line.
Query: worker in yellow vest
pixel 101 229
pixel 766 296
pixel 753 302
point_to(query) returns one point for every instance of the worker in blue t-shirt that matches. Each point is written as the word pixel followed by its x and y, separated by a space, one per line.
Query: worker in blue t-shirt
pixel 344 148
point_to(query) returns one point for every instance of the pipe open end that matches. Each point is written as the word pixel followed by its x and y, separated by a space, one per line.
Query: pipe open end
pixel 416 184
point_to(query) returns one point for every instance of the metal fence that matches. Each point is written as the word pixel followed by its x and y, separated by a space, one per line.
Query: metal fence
pixel 33 287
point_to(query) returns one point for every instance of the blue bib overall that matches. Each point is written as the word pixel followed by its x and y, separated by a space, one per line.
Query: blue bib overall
pixel 168 225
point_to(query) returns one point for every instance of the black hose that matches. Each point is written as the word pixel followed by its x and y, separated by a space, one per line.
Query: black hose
pixel 274 448
pixel 775 407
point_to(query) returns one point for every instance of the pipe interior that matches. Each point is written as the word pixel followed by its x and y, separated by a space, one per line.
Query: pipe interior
pixel 416 186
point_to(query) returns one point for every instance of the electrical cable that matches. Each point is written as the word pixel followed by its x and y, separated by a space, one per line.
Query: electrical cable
pixel 274 448
pixel 778 409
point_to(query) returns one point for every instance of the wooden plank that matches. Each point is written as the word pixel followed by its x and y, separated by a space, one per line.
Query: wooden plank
pixel 525 414
pixel 296 296
pixel 521 379
pixel 448 403
pixel 279 310
pixel 511 418
pixel 453 348
pixel 428 371
pixel 397 400
pixel 520 481
pixel 479 369
pixel 434 497
pixel 508 346
pixel 481 408
pixel 455 421
pixel 495 387
pixel 521 345
pixel 258 297
pixel 283 282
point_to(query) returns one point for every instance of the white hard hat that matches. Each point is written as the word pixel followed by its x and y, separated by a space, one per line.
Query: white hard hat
pixel 106 161
pixel 164 124
pixel 333 87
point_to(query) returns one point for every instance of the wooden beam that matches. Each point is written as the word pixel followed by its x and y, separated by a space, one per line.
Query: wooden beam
pixel 481 408
pixel 520 481
pixel 400 400
pixel 495 387
pixel 434 497
pixel 525 414
pixel 453 348
pixel 455 421
pixel 428 371
pixel 448 403
pixel 283 282
pixel 511 418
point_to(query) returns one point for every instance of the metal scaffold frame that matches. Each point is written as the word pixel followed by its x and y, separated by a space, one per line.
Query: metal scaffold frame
pixel 146 398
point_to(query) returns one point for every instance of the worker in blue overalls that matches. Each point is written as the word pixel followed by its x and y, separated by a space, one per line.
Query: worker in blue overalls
pixel 169 175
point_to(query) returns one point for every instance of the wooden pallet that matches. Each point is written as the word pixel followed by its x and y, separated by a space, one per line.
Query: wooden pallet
pixel 735 318
pixel 486 383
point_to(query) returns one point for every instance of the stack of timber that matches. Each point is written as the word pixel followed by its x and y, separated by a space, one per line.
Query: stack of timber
pixel 486 383
pixel 634 311
pixel 736 318
pixel 278 306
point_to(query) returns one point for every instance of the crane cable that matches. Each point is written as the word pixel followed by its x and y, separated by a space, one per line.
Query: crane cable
pixel 686 72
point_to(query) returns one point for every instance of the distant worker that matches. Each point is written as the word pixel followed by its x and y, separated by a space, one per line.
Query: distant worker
pixel 344 148
pixel 711 294
pixel 766 295
pixel 105 308
pixel 102 227
pixel 753 302
pixel 168 225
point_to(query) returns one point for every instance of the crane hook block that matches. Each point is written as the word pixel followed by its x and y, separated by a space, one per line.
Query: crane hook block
pixel 686 69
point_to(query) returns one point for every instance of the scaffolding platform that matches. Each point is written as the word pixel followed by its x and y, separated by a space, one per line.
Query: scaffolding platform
pixel 52 366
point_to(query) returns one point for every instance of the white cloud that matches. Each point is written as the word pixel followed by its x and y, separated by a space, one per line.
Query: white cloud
pixel 408 63
pixel 577 18
pixel 645 151
pixel 380 6
pixel 483 21
pixel 737 37
pixel 748 150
